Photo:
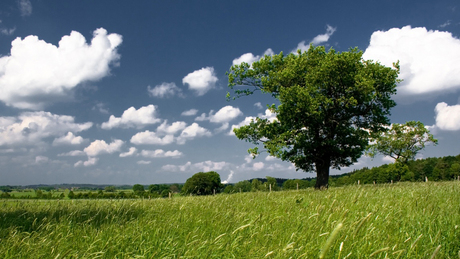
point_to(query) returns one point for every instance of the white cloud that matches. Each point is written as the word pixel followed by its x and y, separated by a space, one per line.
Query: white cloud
pixel 36 72
pixel 98 147
pixel 69 139
pixel 171 129
pixel 164 134
pixel 321 38
pixel 229 178
pixel 41 159
pixel 151 138
pixel 191 112
pixel 248 159
pixel 270 158
pixel 447 117
pixel 388 159
pixel 191 132
pixel 30 128
pixel 160 153
pixel 164 90
pixel 428 59
pixel 90 162
pixel 201 81
pixel 101 108
pixel 131 152
pixel 250 58
pixel 143 162
pixel 25 7
pixel 6 31
pixel 73 153
pixel 201 166
pixel 258 105
pixel 445 24
pixel 267 115
pixel 132 118
pixel 258 166
pixel 223 116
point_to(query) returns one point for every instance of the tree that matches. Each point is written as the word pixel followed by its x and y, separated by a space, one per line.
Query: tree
pixel 243 186
pixel 110 188
pixel 203 184
pixel 402 142
pixel 329 104
pixel 154 188
pixel 138 188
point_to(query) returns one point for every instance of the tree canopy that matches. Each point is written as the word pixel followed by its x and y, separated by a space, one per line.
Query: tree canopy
pixel 329 104
pixel 203 183
pixel 402 142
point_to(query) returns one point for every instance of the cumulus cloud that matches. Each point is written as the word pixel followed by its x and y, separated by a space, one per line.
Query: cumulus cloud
pixel 164 90
pixel 223 116
pixel 172 129
pixel 201 81
pixel 101 108
pixel 447 117
pixel 37 73
pixel 251 58
pixel 160 153
pixel 30 128
pixel 258 166
pixel 151 138
pixel 428 59
pixel 270 158
pixel 204 166
pixel 321 38
pixel 41 159
pixel 69 139
pixel 25 7
pixel 191 132
pixel 258 105
pixel 191 112
pixel 143 162
pixel 98 147
pixel 90 162
pixel 267 115
pixel 131 152
pixel 165 134
pixel 132 118
pixel 73 153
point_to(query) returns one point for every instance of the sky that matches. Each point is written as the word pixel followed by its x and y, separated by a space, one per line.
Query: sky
pixel 123 92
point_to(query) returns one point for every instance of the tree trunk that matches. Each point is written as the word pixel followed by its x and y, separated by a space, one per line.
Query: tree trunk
pixel 322 174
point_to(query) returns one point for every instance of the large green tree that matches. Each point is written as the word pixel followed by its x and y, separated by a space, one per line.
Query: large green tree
pixel 203 184
pixel 402 142
pixel 329 103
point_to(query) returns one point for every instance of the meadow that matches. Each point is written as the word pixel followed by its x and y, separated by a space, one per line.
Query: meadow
pixel 403 220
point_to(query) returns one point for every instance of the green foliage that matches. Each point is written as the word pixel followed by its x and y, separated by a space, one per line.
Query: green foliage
pixel 433 168
pixel 202 184
pixel 138 188
pixel 110 188
pixel 402 142
pixel 405 220
pixel 243 186
pixel 229 189
pixel 329 103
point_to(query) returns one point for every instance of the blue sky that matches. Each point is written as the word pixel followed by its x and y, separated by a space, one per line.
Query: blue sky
pixel 111 92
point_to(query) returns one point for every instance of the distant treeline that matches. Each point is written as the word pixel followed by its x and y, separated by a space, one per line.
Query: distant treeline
pixel 432 169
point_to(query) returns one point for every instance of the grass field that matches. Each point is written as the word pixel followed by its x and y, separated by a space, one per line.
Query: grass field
pixel 407 220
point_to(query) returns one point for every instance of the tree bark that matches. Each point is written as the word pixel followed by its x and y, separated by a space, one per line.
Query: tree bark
pixel 322 174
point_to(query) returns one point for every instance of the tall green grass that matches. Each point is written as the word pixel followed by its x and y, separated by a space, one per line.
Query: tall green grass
pixel 408 220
